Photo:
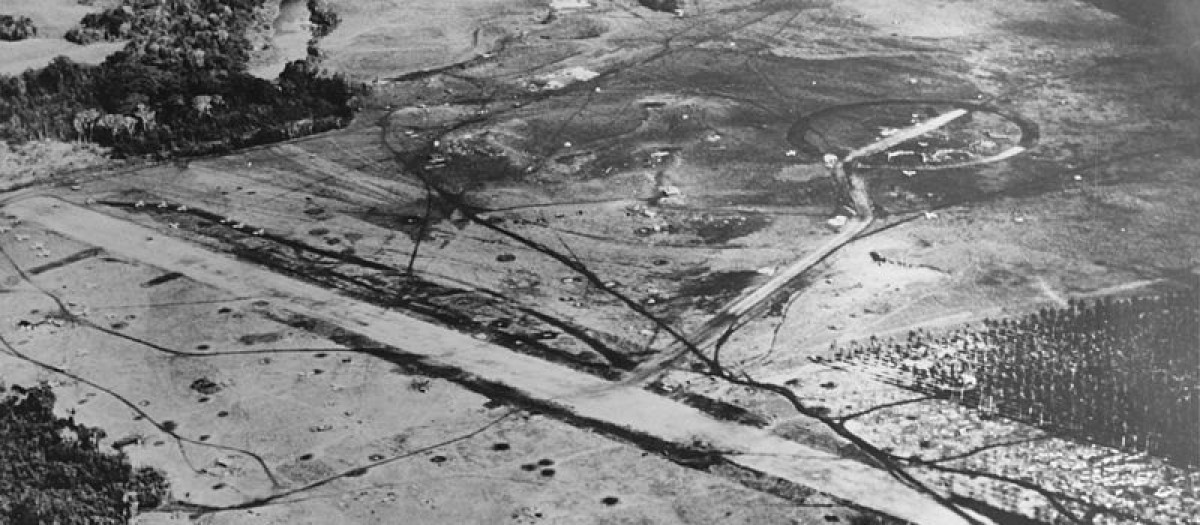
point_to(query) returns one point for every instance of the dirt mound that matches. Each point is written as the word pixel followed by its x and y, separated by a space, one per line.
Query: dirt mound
pixel 205 386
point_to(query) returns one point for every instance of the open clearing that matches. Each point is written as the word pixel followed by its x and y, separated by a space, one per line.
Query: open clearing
pixel 557 181
pixel 52 18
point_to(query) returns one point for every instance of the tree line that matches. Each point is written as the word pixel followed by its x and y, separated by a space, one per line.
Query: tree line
pixel 1124 373
pixel 180 86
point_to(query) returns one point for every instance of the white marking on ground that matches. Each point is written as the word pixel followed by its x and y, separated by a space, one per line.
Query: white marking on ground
pixel 580 394
pixel 1050 293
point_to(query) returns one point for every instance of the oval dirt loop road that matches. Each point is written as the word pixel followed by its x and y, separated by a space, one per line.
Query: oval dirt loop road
pixel 748 304
pixel 1030 133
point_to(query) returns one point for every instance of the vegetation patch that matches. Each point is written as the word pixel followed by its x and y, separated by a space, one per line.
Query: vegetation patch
pixel 1121 373
pixel 52 469
pixel 180 86
pixel 14 28
pixel 711 291
pixel 323 18
pixel 669 6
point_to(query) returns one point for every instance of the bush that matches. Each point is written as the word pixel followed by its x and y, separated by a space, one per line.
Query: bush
pixel 13 28
pixel 669 6
pixel 323 18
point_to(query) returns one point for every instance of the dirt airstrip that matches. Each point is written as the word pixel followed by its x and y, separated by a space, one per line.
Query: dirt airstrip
pixel 558 187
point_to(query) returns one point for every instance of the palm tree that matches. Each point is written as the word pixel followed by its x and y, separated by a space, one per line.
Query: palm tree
pixel 147 115
pixel 84 122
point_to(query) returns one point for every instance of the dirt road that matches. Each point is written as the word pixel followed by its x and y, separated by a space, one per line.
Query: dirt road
pixel 737 311
pixel 627 410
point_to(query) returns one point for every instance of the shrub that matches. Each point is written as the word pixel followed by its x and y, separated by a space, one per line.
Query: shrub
pixel 323 18
pixel 669 6
pixel 13 28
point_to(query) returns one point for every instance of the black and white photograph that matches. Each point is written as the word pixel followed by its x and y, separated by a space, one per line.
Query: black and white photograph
pixel 599 262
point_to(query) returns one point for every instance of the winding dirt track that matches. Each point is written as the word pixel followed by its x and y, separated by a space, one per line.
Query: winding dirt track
pixel 626 409
pixel 737 311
